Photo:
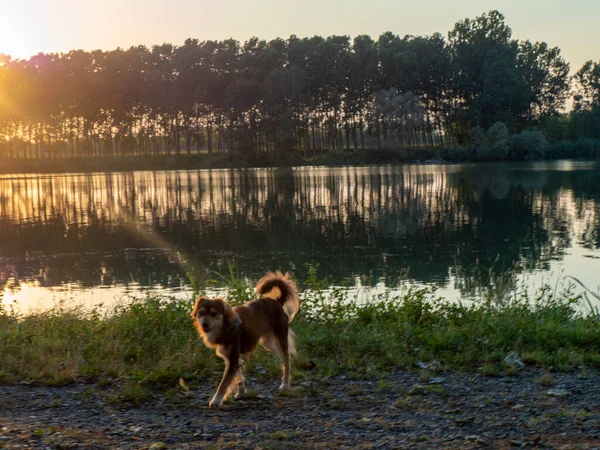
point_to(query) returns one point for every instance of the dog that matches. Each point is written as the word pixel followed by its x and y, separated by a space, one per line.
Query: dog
pixel 235 331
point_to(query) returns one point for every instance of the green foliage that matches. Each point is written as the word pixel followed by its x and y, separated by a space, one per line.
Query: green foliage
pixel 587 148
pixel 528 144
pixel 146 340
pixel 239 290
pixel 587 95
pixel 458 153
pixel 493 144
pixel 547 380
pixel 498 134
pixel 583 148
pixel 280 436
pixel 485 56
pixel 259 100
pixel 497 78
pixel 150 342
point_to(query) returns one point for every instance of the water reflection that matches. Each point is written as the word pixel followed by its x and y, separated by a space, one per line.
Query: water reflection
pixel 80 232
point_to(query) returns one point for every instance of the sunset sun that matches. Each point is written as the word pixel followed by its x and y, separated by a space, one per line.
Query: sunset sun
pixel 14 41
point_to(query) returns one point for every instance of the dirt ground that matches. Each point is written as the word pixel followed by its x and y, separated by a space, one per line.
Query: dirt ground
pixel 448 410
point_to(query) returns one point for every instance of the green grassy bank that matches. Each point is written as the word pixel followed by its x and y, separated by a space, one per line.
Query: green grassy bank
pixel 150 342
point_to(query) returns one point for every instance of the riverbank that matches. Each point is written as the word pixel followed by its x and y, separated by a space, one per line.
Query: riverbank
pixel 585 149
pixel 454 410
pixel 399 371
pixel 150 342
pixel 218 161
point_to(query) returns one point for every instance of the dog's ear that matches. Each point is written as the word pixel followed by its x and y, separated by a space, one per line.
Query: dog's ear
pixel 196 306
pixel 227 308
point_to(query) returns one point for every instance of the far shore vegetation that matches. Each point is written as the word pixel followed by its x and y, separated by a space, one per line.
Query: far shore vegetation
pixel 475 94
pixel 531 145
pixel 150 343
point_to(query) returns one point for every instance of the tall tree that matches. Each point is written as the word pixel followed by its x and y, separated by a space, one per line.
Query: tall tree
pixel 587 94
pixel 546 74
pixel 487 85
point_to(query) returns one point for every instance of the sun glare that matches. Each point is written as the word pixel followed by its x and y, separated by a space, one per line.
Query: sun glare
pixel 13 41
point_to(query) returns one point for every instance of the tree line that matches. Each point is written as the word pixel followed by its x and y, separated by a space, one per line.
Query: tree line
pixel 304 96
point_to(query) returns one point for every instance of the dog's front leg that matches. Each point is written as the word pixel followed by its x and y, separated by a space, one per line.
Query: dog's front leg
pixel 232 366
pixel 241 387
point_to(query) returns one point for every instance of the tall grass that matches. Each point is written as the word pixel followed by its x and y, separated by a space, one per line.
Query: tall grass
pixel 148 339
pixel 151 341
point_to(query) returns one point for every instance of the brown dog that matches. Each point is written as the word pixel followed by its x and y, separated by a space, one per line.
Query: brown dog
pixel 236 331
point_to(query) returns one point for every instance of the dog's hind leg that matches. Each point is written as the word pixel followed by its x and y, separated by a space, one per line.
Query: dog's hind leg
pixel 279 345
pixel 285 363
pixel 288 343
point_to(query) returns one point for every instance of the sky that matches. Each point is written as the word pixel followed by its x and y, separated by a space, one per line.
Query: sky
pixel 31 26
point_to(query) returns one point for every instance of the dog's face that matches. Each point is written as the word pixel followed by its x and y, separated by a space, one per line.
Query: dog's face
pixel 209 315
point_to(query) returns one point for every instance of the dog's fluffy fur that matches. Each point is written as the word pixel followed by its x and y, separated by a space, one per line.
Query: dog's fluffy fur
pixel 235 331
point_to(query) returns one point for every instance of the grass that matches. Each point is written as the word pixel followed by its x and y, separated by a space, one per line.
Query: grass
pixel 280 436
pixel 547 380
pixel 150 343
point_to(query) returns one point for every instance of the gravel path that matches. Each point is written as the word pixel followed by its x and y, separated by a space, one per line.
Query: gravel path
pixel 452 410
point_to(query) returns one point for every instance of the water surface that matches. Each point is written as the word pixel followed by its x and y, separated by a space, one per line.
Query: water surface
pixel 95 237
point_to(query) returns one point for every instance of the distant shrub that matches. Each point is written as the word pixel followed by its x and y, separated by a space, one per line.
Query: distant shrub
pixel 457 153
pixel 497 133
pixel 584 148
pixel 363 157
pixel 587 148
pixel 498 136
pixel 483 152
pixel 528 144
pixel 478 136
pixel 561 150
pixel 491 145
pixel 501 149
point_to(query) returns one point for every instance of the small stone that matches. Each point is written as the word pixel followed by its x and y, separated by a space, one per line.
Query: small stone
pixel 513 360
pixel 417 389
pixel 157 446
pixel 476 439
pixel 558 392
pixel 265 396
pixel 433 365
pixel 464 420
pixel 436 380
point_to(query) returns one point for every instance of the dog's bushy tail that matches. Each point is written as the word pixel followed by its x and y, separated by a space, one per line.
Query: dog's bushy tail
pixel 287 296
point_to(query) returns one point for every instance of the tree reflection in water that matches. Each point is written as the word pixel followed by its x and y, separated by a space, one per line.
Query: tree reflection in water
pixel 443 222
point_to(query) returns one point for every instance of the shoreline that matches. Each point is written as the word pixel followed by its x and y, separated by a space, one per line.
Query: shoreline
pixel 403 372
pixel 229 161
